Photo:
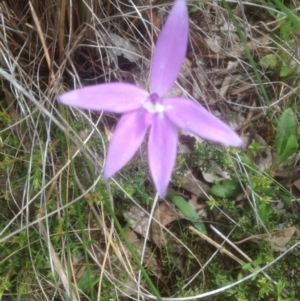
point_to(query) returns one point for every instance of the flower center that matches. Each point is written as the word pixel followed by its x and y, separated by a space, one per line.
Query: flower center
pixel 154 98
pixel 153 104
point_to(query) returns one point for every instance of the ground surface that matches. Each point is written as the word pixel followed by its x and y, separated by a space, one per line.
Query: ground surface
pixel 229 226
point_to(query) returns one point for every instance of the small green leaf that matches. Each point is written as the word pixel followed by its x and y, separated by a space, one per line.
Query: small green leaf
pixel 226 189
pixel 287 200
pixel 264 213
pixel 286 127
pixel 268 61
pixel 265 190
pixel 187 210
pixel 87 282
pixel 291 15
pixel 285 71
pixel 240 276
pixel 247 266
pixel 247 162
pixel 290 148
pixel 285 29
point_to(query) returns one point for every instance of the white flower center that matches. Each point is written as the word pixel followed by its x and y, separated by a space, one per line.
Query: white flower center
pixel 153 105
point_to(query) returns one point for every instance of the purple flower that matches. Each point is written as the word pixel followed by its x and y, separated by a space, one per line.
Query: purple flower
pixel 143 110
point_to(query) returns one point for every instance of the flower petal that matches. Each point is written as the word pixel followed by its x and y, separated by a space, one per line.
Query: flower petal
pixel 192 117
pixel 114 97
pixel 162 152
pixel 126 140
pixel 170 49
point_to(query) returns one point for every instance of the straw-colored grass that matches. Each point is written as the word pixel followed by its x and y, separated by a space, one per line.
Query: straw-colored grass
pixel 65 234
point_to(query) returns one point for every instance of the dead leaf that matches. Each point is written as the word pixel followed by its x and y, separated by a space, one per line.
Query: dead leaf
pixel 195 186
pixel 281 238
pixel 225 86
pixel 278 239
pixel 217 174
pixel 290 175
pixel 137 219
pixel 165 213
pixel 215 43
pixel 297 184
pixel 150 261
pixel 263 157
pixel 292 172
pixel 131 236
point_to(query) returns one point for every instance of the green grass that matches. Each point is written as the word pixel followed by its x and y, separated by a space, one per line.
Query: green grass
pixel 67 234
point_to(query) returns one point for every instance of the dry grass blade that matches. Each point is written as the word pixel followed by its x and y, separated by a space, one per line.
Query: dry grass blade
pixel 41 35
pixel 218 246
pixel 58 267
pixel 51 157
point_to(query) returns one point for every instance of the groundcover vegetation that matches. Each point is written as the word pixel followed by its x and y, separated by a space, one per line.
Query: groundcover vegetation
pixel 228 227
